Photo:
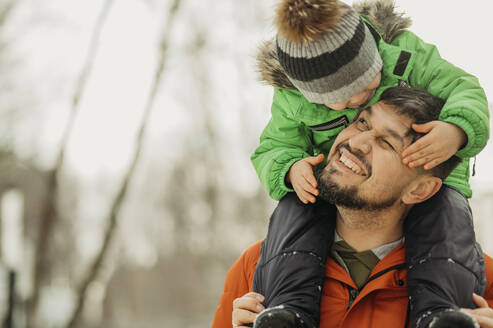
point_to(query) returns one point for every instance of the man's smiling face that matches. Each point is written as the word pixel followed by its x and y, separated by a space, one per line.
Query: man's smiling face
pixel 364 168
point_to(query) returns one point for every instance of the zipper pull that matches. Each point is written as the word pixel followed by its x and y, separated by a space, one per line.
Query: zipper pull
pixel 474 167
pixel 353 293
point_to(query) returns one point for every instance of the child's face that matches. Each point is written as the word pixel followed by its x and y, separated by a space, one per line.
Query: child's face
pixel 360 98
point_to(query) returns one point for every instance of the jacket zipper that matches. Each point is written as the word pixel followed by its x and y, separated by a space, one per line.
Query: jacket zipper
pixel 381 273
pixel 353 293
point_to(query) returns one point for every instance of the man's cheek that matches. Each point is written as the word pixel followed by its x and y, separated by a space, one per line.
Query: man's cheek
pixel 386 176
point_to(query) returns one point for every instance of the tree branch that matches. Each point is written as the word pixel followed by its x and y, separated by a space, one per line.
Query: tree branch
pixel 49 214
pixel 112 217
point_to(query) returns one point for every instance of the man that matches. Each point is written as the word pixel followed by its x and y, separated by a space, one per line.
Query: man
pixel 373 192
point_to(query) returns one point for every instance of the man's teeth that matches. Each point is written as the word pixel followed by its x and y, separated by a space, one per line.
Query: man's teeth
pixel 349 163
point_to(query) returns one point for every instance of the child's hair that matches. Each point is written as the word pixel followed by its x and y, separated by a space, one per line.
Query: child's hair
pixel 421 107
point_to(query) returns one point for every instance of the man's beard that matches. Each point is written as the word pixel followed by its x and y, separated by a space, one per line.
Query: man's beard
pixel 346 197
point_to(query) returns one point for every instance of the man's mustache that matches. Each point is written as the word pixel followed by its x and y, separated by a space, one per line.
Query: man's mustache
pixel 358 154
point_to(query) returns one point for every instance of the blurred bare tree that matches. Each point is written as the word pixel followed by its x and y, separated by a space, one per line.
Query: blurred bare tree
pixel 196 196
pixel 50 216
pixel 208 215
pixel 127 178
pixel 8 110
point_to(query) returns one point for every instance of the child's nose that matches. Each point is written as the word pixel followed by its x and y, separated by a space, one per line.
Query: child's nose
pixel 338 106
pixel 358 99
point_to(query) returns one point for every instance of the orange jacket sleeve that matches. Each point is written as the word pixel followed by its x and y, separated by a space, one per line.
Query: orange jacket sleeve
pixel 238 283
pixel 488 294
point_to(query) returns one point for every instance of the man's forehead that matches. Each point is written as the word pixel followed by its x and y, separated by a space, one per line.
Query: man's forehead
pixel 387 120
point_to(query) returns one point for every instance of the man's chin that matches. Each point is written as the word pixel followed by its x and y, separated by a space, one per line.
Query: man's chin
pixel 335 189
pixel 341 182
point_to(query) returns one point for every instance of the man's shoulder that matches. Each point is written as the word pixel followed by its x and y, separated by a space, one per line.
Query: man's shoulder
pixel 238 283
pixel 247 262
pixel 488 261
pixel 252 253
pixel 240 275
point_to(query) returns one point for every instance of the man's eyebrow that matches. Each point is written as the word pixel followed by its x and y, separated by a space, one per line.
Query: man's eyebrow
pixel 409 133
pixel 394 134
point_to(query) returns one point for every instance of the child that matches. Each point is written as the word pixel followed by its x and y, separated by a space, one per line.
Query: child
pixel 326 62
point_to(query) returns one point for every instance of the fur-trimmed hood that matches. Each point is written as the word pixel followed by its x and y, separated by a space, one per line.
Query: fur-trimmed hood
pixel 381 13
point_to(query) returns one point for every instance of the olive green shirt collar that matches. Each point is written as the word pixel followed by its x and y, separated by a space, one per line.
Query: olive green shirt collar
pixel 380 252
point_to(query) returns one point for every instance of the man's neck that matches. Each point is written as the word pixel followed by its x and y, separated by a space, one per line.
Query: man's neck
pixel 365 230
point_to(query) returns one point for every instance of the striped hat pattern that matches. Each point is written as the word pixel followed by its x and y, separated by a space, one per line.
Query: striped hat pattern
pixel 334 66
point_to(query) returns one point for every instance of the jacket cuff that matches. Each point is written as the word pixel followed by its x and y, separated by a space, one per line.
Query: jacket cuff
pixel 280 170
pixel 468 150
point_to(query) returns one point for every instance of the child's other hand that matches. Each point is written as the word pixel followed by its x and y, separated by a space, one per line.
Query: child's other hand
pixel 301 177
pixel 441 141
pixel 246 309
pixel 483 314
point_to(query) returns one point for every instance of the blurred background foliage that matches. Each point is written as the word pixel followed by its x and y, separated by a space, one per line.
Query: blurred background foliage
pixel 126 128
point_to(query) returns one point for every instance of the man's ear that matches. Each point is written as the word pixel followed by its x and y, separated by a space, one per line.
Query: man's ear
pixel 421 189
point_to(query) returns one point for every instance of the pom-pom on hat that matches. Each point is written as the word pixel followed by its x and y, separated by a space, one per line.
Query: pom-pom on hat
pixel 327 51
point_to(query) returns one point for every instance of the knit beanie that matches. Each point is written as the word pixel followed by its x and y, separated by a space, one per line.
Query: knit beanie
pixel 327 51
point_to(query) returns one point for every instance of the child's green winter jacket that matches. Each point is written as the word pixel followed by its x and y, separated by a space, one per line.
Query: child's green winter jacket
pixel 300 129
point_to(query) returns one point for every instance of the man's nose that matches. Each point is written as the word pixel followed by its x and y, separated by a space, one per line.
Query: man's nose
pixel 361 141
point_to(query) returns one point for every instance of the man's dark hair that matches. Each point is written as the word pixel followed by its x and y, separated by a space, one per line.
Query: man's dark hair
pixel 421 107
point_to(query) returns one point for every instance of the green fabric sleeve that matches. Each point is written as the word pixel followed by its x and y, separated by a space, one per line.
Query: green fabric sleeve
pixel 284 141
pixel 466 105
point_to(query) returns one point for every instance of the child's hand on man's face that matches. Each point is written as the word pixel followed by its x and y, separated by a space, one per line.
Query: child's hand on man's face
pixel 441 141
pixel 301 177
